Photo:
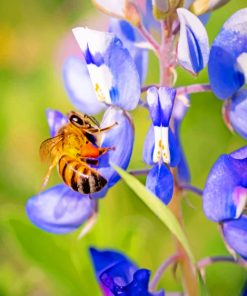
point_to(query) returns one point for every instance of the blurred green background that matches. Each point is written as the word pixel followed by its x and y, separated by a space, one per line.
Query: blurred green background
pixel 35 37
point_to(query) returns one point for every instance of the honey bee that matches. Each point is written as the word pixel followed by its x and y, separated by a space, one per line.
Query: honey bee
pixel 74 149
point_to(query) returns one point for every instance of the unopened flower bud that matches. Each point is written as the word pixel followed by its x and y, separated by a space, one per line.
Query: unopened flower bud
pixel 162 8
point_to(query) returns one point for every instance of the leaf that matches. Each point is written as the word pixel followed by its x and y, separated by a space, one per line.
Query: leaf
pixel 159 209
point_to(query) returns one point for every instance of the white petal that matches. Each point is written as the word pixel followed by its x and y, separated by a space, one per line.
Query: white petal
pixel 97 41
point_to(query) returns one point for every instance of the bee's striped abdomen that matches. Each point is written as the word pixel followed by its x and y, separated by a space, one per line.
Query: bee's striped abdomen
pixel 80 177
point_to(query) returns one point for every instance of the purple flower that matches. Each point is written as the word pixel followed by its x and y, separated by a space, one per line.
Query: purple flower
pixel 235 111
pixel 117 275
pixel 100 79
pixel 161 148
pixel 225 196
pixel 60 209
pixel 97 82
pixel 227 69
pixel 193 47
pixel 227 60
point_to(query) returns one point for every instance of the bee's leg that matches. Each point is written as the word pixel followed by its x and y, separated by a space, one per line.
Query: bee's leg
pixel 48 174
pixel 98 130
pixel 46 178
pixel 103 150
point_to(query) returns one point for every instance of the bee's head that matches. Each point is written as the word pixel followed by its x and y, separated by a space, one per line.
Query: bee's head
pixel 78 119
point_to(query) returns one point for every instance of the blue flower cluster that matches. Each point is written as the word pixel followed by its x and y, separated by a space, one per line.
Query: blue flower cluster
pixel 109 78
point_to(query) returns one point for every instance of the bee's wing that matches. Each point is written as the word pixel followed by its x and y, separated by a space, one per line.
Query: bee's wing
pixel 50 148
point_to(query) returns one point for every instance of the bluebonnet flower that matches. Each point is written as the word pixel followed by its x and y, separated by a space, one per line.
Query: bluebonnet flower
pixel 193 47
pixel 225 196
pixel 99 80
pixel 96 83
pixel 118 275
pixel 227 70
pixel 161 148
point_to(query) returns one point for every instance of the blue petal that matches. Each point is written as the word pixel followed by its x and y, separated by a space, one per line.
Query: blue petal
pixel 129 35
pixel 118 275
pixel 103 259
pixel 193 46
pixel 225 74
pixel 235 233
pixel 225 191
pixel 79 87
pixel 160 102
pixel 166 98
pixel 148 18
pixel 121 137
pixel 115 279
pixel 183 172
pixel 154 105
pixel 238 112
pixel 175 149
pixel 55 121
pixel 148 148
pixel 204 18
pixel 59 209
pixel 112 70
pixel 125 76
pixel 179 111
pixel 160 182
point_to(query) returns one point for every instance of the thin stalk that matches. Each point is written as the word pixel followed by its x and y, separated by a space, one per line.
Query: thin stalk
pixel 189 274
pixel 194 88
pixel 217 259
pixel 143 172
pixel 191 188
pixel 146 87
pixel 160 271
pixel 149 38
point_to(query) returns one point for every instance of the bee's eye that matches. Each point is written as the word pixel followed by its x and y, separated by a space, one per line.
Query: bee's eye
pixel 76 120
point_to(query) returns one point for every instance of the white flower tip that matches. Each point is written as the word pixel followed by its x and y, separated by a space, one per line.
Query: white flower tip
pixel 161 145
